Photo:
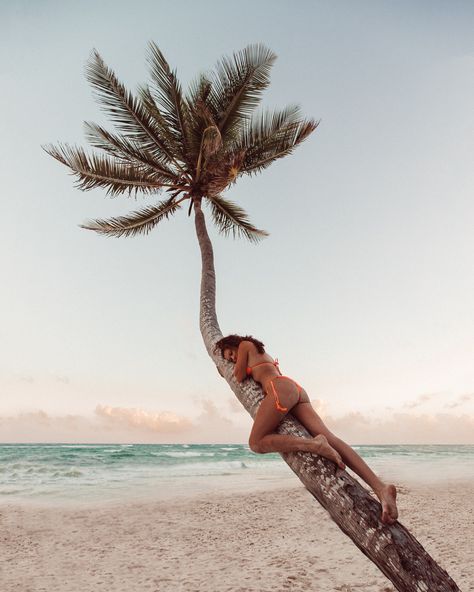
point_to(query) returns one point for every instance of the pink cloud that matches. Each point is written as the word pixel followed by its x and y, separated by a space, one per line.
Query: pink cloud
pixel 120 424
pixel 235 406
pixel 139 419
pixel 404 428
pixel 420 400
pixel 460 401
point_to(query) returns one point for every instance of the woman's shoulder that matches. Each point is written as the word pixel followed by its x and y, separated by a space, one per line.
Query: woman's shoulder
pixel 249 345
pixel 254 355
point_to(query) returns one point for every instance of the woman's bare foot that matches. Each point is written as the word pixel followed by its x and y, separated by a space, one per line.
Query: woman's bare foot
pixel 323 448
pixel 388 498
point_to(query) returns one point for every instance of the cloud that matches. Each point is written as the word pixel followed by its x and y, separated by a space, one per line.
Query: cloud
pixel 211 412
pixel 139 419
pixel 107 425
pixel 213 425
pixel 26 378
pixel 123 424
pixel 403 428
pixel 235 406
pixel 460 401
pixel 320 406
pixel 110 424
pixel 63 379
pixel 40 417
pixel 420 400
pixel 37 426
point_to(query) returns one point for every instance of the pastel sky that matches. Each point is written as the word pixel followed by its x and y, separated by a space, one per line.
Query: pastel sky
pixel 364 289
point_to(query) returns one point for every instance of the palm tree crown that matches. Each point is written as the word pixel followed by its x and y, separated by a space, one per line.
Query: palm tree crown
pixel 191 146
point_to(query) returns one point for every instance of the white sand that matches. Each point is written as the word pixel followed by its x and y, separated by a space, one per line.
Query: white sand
pixel 248 542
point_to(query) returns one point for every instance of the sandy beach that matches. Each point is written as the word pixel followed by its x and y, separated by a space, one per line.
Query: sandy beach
pixel 260 541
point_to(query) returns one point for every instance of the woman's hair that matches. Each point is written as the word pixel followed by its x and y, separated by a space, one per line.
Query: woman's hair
pixel 234 341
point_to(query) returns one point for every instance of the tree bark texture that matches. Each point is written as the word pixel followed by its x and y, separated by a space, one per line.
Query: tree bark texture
pixel 391 547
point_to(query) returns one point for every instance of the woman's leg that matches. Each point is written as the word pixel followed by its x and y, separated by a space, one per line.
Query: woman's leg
pixel 263 440
pixel 306 415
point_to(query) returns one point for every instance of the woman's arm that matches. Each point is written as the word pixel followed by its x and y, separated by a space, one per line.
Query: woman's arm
pixel 240 370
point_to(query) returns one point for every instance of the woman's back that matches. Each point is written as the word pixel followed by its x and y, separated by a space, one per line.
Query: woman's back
pixel 261 366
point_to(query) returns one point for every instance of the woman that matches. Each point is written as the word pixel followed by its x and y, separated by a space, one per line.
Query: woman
pixel 248 355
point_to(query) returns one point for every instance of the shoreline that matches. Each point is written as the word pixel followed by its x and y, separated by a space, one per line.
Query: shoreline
pixel 246 541
pixel 83 474
pixel 194 489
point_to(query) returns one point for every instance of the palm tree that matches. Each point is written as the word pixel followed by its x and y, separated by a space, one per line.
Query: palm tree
pixel 193 147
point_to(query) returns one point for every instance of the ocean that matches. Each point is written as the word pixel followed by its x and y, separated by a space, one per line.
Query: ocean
pixel 84 473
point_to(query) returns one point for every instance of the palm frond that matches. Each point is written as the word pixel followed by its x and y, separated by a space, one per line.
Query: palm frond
pixel 199 114
pixel 166 90
pixel 272 135
pixel 149 103
pixel 125 149
pixel 127 112
pixel 237 86
pixel 229 217
pixel 139 222
pixel 97 170
pixel 198 92
pixel 263 126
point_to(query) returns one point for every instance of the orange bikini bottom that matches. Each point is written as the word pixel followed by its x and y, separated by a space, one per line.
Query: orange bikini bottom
pixel 275 394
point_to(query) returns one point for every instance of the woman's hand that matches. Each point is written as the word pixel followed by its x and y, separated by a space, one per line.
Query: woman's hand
pixel 240 370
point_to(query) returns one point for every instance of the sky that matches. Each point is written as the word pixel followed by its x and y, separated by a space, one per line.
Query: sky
pixel 364 288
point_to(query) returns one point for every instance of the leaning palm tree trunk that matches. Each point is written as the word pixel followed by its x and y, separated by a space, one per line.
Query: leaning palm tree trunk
pixel 392 548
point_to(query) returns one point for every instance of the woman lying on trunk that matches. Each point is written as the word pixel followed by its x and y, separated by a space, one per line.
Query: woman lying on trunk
pixel 248 355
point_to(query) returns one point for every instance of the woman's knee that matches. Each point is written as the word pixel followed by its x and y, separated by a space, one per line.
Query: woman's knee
pixel 255 445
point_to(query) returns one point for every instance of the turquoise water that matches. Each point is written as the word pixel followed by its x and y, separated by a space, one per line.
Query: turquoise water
pixel 87 472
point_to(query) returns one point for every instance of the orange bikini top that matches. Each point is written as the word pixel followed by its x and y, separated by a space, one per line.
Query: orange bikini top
pixel 275 363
